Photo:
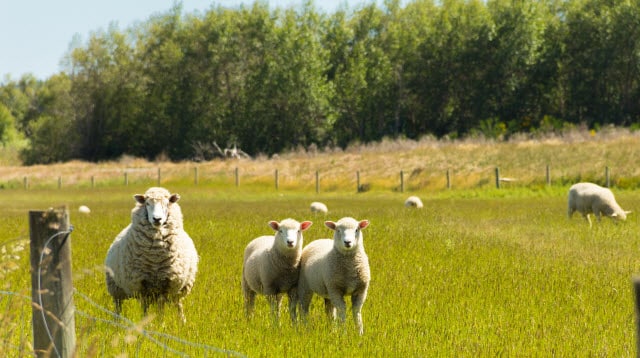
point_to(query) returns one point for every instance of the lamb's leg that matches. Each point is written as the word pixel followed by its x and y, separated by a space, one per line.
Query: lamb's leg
pixel 118 304
pixel 275 300
pixel 249 299
pixel 183 319
pixel 357 300
pixel 304 297
pixel 338 302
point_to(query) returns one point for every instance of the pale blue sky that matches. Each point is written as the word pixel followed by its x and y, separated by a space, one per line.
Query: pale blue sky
pixel 35 34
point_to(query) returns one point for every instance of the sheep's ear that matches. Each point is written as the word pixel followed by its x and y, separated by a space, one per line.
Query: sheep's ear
pixel 139 198
pixel 614 215
pixel 305 225
pixel 174 198
pixel 364 223
pixel 628 212
pixel 330 224
pixel 274 225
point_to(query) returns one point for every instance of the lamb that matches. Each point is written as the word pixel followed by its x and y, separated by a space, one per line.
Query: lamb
pixel 271 267
pixel 318 207
pixel 334 268
pixel 153 259
pixel 591 198
pixel 413 202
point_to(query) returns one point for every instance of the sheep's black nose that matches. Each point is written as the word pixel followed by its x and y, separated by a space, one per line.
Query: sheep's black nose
pixel 290 243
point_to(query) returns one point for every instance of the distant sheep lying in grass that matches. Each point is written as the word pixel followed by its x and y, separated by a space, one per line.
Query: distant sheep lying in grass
pixel 153 259
pixel 318 207
pixel 271 267
pixel 413 202
pixel 587 198
pixel 334 268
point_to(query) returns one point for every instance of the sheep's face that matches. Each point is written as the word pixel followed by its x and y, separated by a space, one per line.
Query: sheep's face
pixel 347 233
pixel 289 232
pixel 157 206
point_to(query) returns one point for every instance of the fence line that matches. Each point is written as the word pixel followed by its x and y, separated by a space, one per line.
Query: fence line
pixel 236 173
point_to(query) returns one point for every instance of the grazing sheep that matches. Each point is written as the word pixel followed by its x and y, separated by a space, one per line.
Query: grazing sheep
pixel 153 259
pixel 413 202
pixel 318 207
pixel 84 209
pixel 588 198
pixel 335 268
pixel 271 267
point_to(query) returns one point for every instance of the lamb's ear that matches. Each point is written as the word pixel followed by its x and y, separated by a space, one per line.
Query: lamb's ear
pixel 274 225
pixel 305 225
pixel 330 224
pixel 139 198
pixel 614 215
pixel 174 198
pixel 628 212
pixel 364 223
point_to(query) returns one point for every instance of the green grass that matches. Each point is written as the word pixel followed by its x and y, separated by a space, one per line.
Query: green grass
pixel 481 272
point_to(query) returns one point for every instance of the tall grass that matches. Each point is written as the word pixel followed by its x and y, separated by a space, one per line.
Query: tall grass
pixel 475 273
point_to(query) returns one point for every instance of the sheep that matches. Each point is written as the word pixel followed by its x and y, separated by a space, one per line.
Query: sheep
pixel 153 259
pixel 318 207
pixel 413 202
pixel 588 198
pixel 271 267
pixel 334 268
pixel 83 209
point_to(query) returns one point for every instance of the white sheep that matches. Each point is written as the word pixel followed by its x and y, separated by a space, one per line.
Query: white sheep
pixel 587 198
pixel 413 202
pixel 271 267
pixel 318 207
pixel 334 268
pixel 153 259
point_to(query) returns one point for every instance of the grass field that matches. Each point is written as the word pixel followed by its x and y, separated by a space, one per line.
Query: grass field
pixel 475 273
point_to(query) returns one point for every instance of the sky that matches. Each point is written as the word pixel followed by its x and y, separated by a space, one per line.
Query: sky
pixel 36 34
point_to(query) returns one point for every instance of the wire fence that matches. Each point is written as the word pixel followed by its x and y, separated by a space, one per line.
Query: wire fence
pixel 165 342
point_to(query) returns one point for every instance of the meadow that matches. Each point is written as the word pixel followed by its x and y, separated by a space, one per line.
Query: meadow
pixel 478 271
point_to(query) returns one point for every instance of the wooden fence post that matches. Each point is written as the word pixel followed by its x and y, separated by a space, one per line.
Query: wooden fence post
pixel 126 179
pixel 276 178
pixel 548 173
pixel 237 178
pixel 448 179
pixel 357 181
pixel 636 290
pixel 159 177
pixel 93 182
pixel 497 178
pixel 51 285
pixel 402 181
pixel 59 182
pixel 26 182
pixel 606 177
pixel 317 182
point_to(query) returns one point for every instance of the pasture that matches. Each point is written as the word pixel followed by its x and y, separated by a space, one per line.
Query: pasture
pixel 474 273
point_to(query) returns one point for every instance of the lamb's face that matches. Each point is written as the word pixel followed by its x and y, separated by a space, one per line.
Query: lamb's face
pixel 347 233
pixel 157 206
pixel 289 232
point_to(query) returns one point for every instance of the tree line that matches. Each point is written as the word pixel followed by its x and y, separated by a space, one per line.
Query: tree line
pixel 270 80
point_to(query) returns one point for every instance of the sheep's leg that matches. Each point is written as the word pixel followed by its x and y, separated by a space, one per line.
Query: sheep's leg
pixel 329 309
pixel 118 304
pixel 275 300
pixel 337 300
pixel 249 302
pixel 293 304
pixel 183 319
pixel 586 217
pixel 304 297
pixel 357 300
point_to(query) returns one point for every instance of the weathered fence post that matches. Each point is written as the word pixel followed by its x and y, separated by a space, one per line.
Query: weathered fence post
pixel 548 173
pixel 25 181
pixel 317 182
pixel 59 182
pixel 237 179
pixel 276 178
pixel 195 176
pixel 606 177
pixel 636 290
pixel 357 181
pixel 402 181
pixel 159 176
pixel 93 182
pixel 51 286
pixel 126 179
pixel 497 178
pixel 448 179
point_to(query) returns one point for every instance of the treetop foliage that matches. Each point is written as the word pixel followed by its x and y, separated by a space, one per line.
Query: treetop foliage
pixel 270 80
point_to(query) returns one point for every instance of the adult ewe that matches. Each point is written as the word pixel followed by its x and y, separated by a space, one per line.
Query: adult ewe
pixel 271 267
pixel 335 268
pixel 587 198
pixel 413 202
pixel 153 259
pixel 318 207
